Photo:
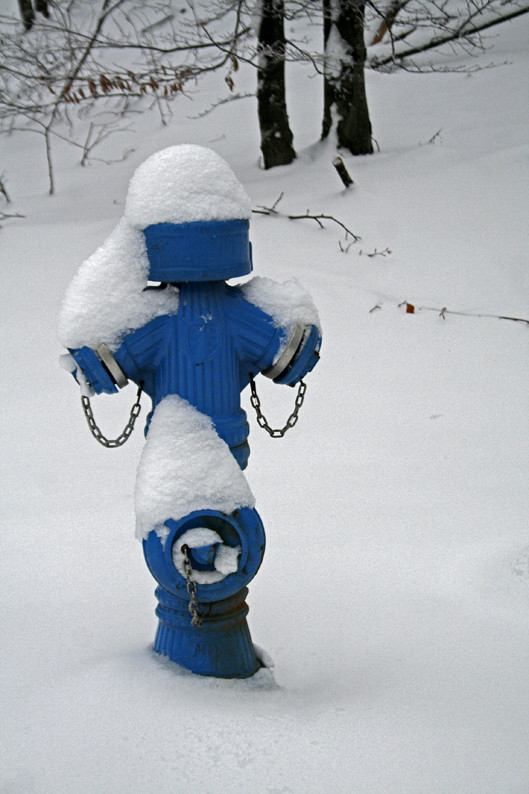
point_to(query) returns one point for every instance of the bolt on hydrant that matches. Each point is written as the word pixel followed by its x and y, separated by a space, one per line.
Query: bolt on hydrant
pixel 152 306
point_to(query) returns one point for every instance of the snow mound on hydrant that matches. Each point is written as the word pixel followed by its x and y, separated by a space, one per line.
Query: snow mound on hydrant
pixel 185 466
pixel 106 298
pixel 288 304
pixel 184 184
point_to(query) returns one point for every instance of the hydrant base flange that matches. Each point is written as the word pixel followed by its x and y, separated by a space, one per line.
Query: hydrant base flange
pixel 221 646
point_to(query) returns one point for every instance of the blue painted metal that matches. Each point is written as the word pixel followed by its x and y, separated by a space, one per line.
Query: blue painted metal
pixel 206 354
pixel 220 647
pixel 97 375
pixel 200 251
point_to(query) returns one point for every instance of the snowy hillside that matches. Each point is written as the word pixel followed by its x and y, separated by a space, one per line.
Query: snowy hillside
pixel 394 594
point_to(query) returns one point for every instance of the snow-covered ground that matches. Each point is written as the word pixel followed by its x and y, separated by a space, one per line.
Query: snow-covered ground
pixel 394 595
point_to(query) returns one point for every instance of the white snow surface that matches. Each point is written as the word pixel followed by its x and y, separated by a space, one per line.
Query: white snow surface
pixel 183 184
pixel 394 592
pixel 185 466
pixel 106 298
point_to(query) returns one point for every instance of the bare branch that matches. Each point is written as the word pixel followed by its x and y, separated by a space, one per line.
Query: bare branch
pixel 444 311
pixel 306 216
pixel 3 190
pixel 463 31
pixel 5 215
pixel 376 252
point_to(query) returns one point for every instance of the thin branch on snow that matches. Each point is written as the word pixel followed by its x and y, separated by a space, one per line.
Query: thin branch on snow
pixel 3 190
pixel 345 246
pixel 435 137
pixel 374 253
pixel 5 215
pixel 306 216
pixel 412 309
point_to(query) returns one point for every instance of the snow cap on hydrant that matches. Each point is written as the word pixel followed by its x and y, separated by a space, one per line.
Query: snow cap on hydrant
pixel 194 214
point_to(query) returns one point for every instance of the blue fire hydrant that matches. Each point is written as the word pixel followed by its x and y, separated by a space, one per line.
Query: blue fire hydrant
pixel 193 350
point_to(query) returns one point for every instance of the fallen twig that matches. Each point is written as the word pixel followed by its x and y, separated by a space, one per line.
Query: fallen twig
pixel 345 246
pixel 5 215
pixel 371 254
pixel 307 216
pixel 411 309
pixel 436 136
pixel 3 190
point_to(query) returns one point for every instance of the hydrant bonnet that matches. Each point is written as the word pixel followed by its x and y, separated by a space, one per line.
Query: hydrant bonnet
pixel 199 251
pixel 194 214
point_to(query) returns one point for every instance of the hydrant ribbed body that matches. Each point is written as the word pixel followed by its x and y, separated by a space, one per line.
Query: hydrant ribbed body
pixel 205 354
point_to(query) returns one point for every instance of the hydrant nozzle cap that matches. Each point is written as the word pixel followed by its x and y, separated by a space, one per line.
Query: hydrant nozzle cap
pixel 194 214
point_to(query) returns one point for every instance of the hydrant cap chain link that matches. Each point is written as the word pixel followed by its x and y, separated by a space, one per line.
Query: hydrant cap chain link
pixel 112 443
pixel 292 419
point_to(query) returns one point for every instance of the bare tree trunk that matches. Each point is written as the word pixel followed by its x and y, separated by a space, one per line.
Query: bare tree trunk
pixel 27 13
pixel 276 135
pixel 42 7
pixel 328 92
pixel 344 83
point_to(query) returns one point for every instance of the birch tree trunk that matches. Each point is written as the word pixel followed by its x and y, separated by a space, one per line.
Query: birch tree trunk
pixel 276 135
pixel 345 100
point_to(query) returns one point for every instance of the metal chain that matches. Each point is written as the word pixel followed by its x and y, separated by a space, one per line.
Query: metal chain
pixel 112 443
pixel 292 419
pixel 196 618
